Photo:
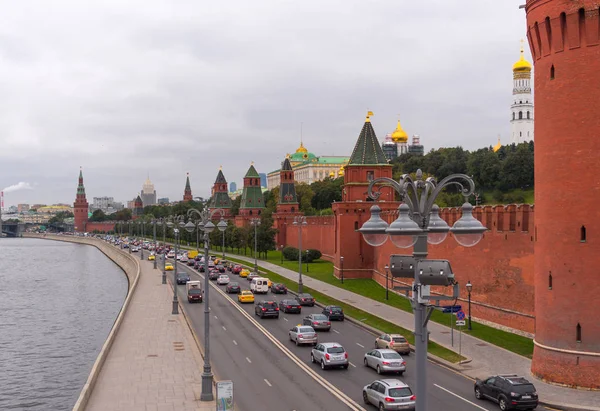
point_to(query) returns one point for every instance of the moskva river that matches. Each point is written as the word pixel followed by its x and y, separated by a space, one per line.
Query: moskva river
pixel 58 302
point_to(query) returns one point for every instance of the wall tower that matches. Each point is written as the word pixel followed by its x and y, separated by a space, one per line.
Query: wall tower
pixel 220 196
pixel 252 203
pixel 565 43
pixel 521 123
pixel 187 193
pixel 287 205
pixel 80 207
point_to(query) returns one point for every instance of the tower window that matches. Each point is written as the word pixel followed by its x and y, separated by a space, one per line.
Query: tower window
pixel 563 28
pixel 578 332
pixel 356 226
pixel 513 116
pixel 521 102
pixel 528 115
pixel 520 115
pixel 583 234
pixel 550 280
pixel 552 72
pixel 370 175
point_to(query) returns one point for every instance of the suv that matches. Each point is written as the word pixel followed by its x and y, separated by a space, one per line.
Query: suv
pixel 333 312
pixel 306 299
pixel 389 395
pixel 267 309
pixel 329 355
pixel 511 392
pixel 394 342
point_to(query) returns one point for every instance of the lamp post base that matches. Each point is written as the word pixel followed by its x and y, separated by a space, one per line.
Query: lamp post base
pixel 207 386
pixel 164 278
pixel 175 307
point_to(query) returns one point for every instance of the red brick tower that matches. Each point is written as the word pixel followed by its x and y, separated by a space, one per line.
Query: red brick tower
pixel 565 43
pixel 252 204
pixel 367 163
pixel 287 205
pixel 220 195
pixel 138 208
pixel 187 193
pixel 80 207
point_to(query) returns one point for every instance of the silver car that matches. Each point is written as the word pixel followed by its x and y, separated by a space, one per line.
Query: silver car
pixel 389 395
pixel 329 355
pixel 302 334
pixel 385 360
pixel 317 321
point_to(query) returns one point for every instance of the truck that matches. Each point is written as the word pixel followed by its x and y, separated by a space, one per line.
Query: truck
pixel 192 254
pixel 194 291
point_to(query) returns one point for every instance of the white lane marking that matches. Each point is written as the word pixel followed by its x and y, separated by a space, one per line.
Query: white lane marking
pixel 235 342
pixel 464 399
pixel 224 329
pixel 352 364
pixel 360 345
pixel 248 359
pixel 335 331
pixel 285 319
pixel 268 383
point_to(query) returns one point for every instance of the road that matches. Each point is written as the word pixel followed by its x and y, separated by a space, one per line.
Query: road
pixel 265 378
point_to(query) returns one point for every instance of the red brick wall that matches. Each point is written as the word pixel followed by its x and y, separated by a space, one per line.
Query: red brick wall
pixel 103 227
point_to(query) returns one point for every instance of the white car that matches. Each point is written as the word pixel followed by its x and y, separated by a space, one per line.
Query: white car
pixel 171 254
pixel 223 279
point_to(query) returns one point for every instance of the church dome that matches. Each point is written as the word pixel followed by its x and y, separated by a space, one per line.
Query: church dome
pixel 399 135
pixel 301 149
pixel 522 64
pixel 341 171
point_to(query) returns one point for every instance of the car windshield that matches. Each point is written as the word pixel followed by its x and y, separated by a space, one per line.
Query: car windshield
pixel 270 304
pixel 234 285
pixel 400 392
pixel 391 355
pixel 319 317
pixel 523 388
pixel 335 309
pixel 195 291
pixel 304 295
pixel 399 339
pixel 305 330
pixel 335 350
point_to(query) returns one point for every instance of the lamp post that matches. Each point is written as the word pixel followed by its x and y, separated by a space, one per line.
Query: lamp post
pixel 205 224
pixel 177 220
pixel 299 221
pixel 419 223
pixel 256 222
pixel 141 226
pixel 154 222
pixel 129 231
pixel 469 288
pixel 222 226
pixel 281 248
pixel 387 289
pixel 342 268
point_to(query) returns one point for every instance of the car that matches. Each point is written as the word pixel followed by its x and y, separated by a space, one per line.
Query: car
pixel 236 269
pixel 278 288
pixel 201 267
pixel 194 295
pixel 182 278
pixel 252 276
pixel 168 267
pixel 317 321
pixel 190 261
pixel 306 299
pixel 135 249
pixel 290 306
pixel 385 360
pixel 246 297
pixel 510 392
pixel 394 342
pixel 233 288
pixel 302 334
pixel 389 395
pixel 213 275
pixel 151 257
pixel 244 273
pixel 171 254
pixel 221 268
pixel 267 309
pixel 329 355
pixel 333 312
pixel 223 279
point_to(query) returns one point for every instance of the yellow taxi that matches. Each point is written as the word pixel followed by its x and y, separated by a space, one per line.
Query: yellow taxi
pixel 168 267
pixel 217 261
pixel 244 273
pixel 246 297
pixel 269 283
pixel 151 257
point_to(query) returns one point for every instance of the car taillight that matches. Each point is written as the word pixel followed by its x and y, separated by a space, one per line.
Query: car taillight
pixel 300 336
pixel 385 363
pixel 413 398
pixel 327 356
pixel 288 306
pixel 403 362
pixel 330 312
pixel 389 399
pixel 345 355
pixel 328 323
pixel 315 323
pixel 276 308
pixel 264 309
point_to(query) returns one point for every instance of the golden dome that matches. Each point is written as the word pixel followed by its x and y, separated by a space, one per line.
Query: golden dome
pixel 331 174
pixel 399 135
pixel 522 64
pixel 301 149
pixel 341 171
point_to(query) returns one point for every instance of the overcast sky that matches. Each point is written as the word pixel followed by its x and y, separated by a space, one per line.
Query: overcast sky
pixel 127 88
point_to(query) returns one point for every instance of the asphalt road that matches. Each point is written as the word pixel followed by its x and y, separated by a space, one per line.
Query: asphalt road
pixel 265 378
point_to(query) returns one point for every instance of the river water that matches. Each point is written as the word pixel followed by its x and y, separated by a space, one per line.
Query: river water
pixel 58 302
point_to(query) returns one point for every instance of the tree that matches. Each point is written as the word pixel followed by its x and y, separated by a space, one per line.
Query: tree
pixel 98 216
pixel 305 194
pixel 122 215
pixel 326 192
pixel 235 205
pixel 60 217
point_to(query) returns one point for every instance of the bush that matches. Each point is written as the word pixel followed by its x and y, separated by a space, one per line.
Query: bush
pixel 290 253
pixel 312 255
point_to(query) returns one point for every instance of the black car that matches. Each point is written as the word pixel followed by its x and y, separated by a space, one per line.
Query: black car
pixel 201 267
pixel 278 288
pixel 290 306
pixel 190 261
pixel 221 268
pixel 182 278
pixel 267 309
pixel 306 299
pixel 233 288
pixel 333 312
pixel 213 275
pixel 510 392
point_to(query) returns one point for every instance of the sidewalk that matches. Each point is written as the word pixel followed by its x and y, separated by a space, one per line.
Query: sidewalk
pixel 487 359
pixel 154 363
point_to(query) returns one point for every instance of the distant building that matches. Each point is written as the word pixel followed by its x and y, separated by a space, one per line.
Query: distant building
pixel 22 208
pixel 54 209
pixel 416 148
pixel 263 179
pixel 163 201
pixel 102 203
pixel 232 187
pixel 148 193
pixel 36 206
pixel 522 106
pixel 13 209
pixel 187 192
pixel 390 149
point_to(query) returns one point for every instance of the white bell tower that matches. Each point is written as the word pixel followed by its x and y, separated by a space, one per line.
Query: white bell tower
pixel 522 105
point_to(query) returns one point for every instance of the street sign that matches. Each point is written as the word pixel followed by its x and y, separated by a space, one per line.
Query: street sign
pixel 460 315
pixel 225 396
pixel 460 323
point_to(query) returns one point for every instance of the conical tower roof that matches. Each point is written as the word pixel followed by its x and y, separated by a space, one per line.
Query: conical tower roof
pixel 187 182
pixel 220 178
pixel 80 186
pixel 138 199
pixel 367 149
pixel 252 172
pixel 287 166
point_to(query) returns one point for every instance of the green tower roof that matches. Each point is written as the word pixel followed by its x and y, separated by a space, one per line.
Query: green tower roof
pixel 187 183
pixel 252 172
pixel 367 149
pixel 220 178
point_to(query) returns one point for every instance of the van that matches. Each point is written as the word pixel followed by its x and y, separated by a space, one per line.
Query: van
pixel 259 285
pixel 192 254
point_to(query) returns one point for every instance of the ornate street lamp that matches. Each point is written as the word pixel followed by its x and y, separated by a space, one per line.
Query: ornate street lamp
pixel 469 288
pixel 206 225
pixel 154 222
pixel 222 226
pixel 418 224
pixel 255 222
pixel 387 288
pixel 300 221
pixel 177 220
